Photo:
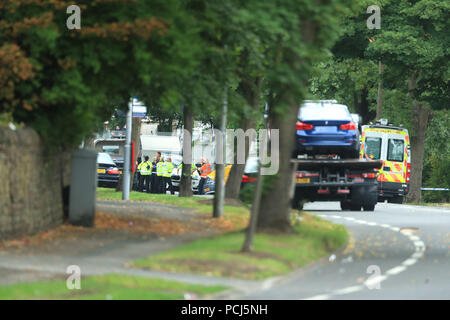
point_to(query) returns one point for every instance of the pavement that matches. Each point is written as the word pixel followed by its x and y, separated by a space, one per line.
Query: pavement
pixel 395 252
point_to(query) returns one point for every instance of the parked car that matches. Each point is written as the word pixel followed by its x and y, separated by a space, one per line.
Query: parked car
pixel 114 147
pixel 176 179
pixel 326 127
pixel 107 171
pixel 250 174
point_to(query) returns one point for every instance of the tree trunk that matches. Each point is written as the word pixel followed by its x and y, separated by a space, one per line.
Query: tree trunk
pixel 362 107
pixel 421 117
pixel 251 90
pixel 186 180
pixel 380 91
pixel 275 208
pixel 233 186
pixel 248 243
pixel 136 137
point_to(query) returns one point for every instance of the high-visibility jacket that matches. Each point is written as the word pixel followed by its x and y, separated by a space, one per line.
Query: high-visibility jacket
pixel 159 169
pixel 145 168
pixel 168 166
pixel 205 170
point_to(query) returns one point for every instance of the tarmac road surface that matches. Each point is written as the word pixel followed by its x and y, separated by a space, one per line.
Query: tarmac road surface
pixel 396 252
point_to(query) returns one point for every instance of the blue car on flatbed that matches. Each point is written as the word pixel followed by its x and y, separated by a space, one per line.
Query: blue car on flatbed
pixel 326 127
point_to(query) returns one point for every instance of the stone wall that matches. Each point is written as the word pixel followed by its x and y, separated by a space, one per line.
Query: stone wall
pixel 31 184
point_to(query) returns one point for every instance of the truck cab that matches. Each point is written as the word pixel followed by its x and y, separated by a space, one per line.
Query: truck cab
pixel 390 144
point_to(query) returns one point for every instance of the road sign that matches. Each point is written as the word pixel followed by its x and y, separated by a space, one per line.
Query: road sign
pixel 139 111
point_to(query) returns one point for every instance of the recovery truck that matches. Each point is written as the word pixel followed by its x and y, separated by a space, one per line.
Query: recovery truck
pixel 353 182
pixel 382 172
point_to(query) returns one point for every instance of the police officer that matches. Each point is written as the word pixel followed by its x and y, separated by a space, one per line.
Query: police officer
pixel 153 179
pixel 168 166
pixel 145 171
pixel 159 175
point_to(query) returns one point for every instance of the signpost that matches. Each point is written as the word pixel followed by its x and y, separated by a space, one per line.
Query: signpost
pixel 136 109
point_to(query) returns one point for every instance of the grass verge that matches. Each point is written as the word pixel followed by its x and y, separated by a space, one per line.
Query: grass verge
pixel 110 287
pixel 237 215
pixel 274 254
pixel 196 203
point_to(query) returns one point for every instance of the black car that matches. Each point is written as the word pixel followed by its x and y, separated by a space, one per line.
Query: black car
pixel 107 171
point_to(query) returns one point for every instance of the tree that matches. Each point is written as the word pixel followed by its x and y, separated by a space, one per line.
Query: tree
pixel 413 41
pixel 411 45
pixel 70 78
pixel 306 33
pixel 65 83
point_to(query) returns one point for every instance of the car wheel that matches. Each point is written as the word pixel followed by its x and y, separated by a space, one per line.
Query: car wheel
pixel 355 207
pixel 369 207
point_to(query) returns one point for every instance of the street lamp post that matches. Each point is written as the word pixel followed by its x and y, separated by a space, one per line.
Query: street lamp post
pixel 127 163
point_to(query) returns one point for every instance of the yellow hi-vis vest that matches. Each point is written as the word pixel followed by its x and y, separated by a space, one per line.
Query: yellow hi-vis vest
pixel 159 169
pixel 168 169
pixel 143 168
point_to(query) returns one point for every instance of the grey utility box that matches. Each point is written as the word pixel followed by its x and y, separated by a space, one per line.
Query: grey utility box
pixel 83 184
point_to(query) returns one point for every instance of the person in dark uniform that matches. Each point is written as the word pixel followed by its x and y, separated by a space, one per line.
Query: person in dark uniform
pixel 154 180
pixel 137 175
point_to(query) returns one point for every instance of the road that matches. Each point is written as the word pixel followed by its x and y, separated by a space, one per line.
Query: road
pixel 395 252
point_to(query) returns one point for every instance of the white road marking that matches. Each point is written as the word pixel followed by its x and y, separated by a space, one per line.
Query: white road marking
pixel 409 262
pixel 413 259
pixel 348 290
pixel 373 281
pixel 417 255
pixel 396 270
pixel 419 244
pixel 319 297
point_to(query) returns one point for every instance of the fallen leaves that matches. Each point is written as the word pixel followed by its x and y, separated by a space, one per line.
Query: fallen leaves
pixel 130 224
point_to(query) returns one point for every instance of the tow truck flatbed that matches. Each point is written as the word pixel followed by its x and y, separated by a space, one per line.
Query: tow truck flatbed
pixel 355 164
pixel 351 181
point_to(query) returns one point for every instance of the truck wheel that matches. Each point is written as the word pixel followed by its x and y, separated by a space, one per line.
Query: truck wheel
pixel 355 207
pixel 345 206
pixel 369 207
